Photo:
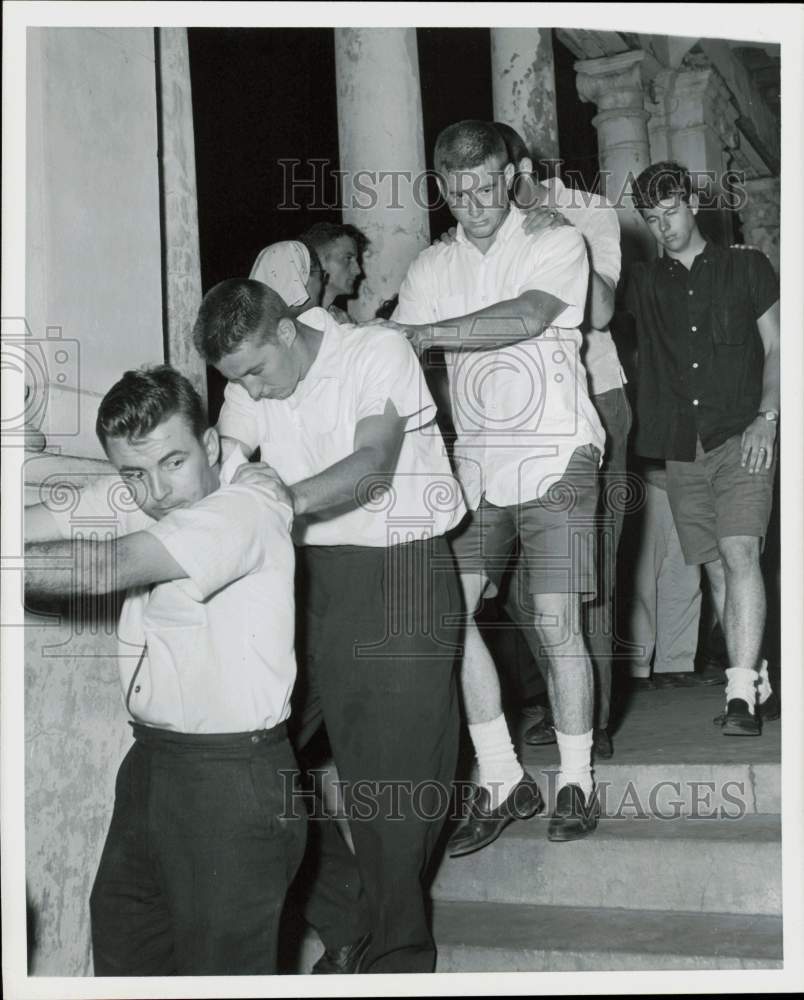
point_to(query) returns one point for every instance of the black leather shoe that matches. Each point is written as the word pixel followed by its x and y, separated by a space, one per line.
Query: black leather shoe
pixel 484 825
pixel 601 745
pixel 739 721
pixel 573 817
pixel 343 961
pixel 542 734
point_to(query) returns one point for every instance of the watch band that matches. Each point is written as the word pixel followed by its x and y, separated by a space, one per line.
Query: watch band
pixel 771 415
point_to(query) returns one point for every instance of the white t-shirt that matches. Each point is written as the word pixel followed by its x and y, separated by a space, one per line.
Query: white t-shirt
pixel 597 222
pixel 521 411
pixel 356 371
pixel 220 644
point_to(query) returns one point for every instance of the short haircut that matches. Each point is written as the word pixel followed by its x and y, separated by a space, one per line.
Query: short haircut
pixel 514 143
pixel 386 308
pixel 233 312
pixel 144 398
pixel 315 260
pixel 468 144
pixel 660 181
pixel 320 235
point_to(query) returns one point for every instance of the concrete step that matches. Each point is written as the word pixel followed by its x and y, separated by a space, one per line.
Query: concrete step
pixel 671 789
pixel 690 865
pixel 496 937
pixel 506 937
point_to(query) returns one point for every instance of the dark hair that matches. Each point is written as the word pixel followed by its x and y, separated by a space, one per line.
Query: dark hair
pixel 660 181
pixel 386 308
pixel 144 398
pixel 467 144
pixel 321 234
pixel 514 143
pixel 234 311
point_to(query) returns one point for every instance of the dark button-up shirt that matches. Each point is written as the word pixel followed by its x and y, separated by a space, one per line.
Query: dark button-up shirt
pixel 701 358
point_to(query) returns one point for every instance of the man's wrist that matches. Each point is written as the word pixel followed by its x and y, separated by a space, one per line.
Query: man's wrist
pixel 770 415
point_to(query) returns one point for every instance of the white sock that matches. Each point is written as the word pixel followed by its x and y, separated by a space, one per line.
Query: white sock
pixel 576 761
pixel 742 683
pixel 764 687
pixel 496 758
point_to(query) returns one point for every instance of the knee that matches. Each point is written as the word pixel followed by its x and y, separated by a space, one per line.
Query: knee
pixel 739 556
pixel 558 618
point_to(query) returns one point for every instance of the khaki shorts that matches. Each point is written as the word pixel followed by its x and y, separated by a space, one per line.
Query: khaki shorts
pixel 556 534
pixel 714 497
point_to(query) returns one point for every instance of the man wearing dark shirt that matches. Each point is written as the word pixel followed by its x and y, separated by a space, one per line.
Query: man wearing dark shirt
pixel 708 403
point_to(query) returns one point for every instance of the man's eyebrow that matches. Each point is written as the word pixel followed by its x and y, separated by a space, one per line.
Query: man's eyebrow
pixel 172 454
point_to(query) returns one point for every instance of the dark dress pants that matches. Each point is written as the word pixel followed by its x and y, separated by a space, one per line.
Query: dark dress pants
pixel 199 856
pixel 381 634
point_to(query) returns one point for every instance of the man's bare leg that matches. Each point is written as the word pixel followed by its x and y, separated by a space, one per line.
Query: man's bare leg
pixel 570 680
pixel 497 761
pixel 738 594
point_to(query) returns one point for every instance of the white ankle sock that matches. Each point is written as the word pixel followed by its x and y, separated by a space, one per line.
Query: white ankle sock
pixel 576 761
pixel 764 688
pixel 742 683
pixel 496 758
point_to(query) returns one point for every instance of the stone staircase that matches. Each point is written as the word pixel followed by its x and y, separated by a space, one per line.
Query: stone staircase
pixel 683 872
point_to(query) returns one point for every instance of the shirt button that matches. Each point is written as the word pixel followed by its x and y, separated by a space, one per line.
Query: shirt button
pixel 255 739
pixel 137 689
pixel 691 292
pixel 694 364
pixel 694 329
pixel 695 402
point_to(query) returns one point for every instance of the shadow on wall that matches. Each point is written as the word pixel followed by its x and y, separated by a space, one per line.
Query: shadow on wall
pixel 31 929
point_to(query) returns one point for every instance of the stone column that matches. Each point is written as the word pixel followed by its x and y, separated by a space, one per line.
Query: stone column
pixel 614 84
pixel 693 121
pixel 381 142
pixel 524 88
pixel 760 216
pixel 181 254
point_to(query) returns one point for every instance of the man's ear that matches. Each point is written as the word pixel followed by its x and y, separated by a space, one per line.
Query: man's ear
pixel 525 165
pixel 693 203
pixel 286 331
pixel 212 445
pixel 508 174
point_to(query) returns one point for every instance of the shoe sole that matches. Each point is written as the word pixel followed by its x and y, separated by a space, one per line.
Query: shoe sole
pixel 735 729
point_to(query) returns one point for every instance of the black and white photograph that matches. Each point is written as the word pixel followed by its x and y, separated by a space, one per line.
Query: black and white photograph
pixel 401 503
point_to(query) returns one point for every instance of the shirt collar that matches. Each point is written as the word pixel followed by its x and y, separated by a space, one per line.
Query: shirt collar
pixel 321 368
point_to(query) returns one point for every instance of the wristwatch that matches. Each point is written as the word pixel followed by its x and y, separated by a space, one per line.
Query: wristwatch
pixel 771 415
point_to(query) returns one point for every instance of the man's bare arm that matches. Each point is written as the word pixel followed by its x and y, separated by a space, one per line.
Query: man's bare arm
pixel 83 566
pixel 759 438
pixel 498 325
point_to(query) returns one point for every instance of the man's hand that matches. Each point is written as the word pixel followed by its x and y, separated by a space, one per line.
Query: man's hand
pixel 541 217
pixel 266 478
pixel 758 442
pixel 407 330
pixel 447 237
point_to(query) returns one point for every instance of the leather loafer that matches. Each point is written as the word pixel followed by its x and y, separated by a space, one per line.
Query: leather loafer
pixel 601 745
pixel 343 961
pixel 484 825
pixel 573 817
pixel 739 721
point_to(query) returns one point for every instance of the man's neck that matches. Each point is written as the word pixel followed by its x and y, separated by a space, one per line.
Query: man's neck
pixel 309 341
pixel 688 255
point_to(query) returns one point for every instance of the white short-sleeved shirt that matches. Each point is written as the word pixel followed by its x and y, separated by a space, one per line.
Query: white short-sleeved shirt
pixel 521 411
pixel 597 222
pixel 220 644
pixel 356 371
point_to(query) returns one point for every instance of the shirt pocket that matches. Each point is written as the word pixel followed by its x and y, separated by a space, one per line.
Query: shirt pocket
pixel 730 324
